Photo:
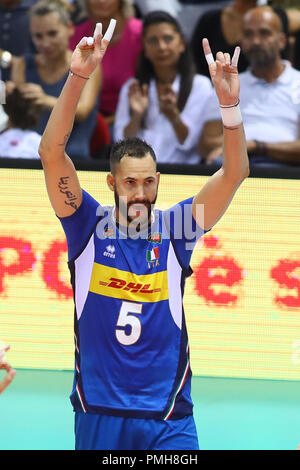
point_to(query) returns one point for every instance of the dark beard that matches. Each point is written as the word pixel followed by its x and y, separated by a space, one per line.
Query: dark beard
pixel 261 58
pixel 124 210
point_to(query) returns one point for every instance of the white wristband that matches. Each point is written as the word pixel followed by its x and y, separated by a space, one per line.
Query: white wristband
pixel 231 116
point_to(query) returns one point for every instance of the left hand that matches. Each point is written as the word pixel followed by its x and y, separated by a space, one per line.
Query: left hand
pixel 168 103
pixel 224 75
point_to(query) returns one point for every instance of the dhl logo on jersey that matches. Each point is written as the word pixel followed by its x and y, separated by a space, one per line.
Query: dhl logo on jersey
pixel 125 285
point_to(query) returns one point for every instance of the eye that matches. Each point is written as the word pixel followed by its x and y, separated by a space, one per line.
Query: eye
pixel 168 39
pixel 265 33
pixel 248 34
pixel 152 41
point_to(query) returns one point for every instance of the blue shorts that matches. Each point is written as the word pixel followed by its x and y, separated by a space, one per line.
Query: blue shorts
pixel 100 432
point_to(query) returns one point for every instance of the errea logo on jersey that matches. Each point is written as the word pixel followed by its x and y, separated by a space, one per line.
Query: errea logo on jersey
pixel 110 251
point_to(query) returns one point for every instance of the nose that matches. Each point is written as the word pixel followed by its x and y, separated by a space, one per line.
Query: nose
pixel 140 194
pixel 256 40
pixel 44 42
pixel 162 44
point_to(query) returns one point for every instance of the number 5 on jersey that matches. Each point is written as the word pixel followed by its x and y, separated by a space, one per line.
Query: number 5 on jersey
pixel 126 319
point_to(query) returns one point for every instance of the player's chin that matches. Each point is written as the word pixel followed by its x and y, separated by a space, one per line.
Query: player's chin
pixel 139 217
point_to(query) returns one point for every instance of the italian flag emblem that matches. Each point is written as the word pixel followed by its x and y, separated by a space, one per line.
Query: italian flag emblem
pixel 153 254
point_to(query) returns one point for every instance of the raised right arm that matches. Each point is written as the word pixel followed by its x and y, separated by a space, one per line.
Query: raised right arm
pixel 61 178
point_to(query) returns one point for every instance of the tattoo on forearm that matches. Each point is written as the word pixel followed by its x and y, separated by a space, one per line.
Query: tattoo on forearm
pixel 66 138
pixel 63 188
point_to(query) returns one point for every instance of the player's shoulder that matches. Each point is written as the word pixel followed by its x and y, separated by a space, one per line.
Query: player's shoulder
pixel 180 207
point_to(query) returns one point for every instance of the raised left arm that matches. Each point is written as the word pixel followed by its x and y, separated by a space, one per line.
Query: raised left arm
pixel 219 190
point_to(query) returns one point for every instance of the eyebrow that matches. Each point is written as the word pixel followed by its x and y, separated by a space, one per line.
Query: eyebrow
pixel 50 31
pixel 134 178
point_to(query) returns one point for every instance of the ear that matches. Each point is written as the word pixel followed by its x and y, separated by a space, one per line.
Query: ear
pixel 183 44
pixel 110 179
pixel 158 178
pixel 282 41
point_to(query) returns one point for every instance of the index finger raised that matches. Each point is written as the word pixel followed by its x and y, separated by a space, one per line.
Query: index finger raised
pixel 207 51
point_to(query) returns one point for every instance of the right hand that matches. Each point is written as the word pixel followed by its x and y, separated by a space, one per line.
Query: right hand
pixel 138 98
pixel 85 58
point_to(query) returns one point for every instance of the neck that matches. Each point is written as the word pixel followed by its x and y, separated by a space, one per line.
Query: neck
pixel 269 73
pixel 125 224
pixel 57 62
pixel 105 22
pixel 165 76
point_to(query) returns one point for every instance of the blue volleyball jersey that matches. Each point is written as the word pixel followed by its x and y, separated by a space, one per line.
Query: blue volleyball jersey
pixel 131 343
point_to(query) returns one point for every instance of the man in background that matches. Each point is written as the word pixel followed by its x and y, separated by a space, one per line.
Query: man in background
pixel 270 98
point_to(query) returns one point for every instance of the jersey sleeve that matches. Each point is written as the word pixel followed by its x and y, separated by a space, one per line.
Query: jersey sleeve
pixel 79 226
pixel 184 231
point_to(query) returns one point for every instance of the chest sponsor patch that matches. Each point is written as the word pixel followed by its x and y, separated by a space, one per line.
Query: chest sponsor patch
pixel 125 285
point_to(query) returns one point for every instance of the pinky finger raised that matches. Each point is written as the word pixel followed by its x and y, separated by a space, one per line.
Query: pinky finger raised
pixel 236 56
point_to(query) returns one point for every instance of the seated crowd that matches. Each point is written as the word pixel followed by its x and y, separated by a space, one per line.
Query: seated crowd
pixel 153 81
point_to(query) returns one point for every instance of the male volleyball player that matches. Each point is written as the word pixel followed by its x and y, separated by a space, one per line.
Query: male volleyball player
pixel 128 266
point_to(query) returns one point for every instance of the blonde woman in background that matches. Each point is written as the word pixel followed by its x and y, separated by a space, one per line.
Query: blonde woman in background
pixel 41 77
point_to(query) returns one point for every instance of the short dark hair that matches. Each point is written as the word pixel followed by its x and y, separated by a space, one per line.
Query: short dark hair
pixel 23 113
pixel 131 147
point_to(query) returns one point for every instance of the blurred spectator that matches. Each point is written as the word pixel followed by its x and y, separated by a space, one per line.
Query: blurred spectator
pixel 3 118
pixel 173 7
pixel 10 372
pixel 78 13
pixel 294 8
pixel 14 26
pixel 166 102
pixel 297 51
pixel 18 140
pixel 14 31
pixel 223 29
pixel 120 60
pixel 187 13
pixel 42 76
pixel 269 97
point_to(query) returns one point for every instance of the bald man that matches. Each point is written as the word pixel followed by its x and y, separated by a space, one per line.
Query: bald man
pixel 270 98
